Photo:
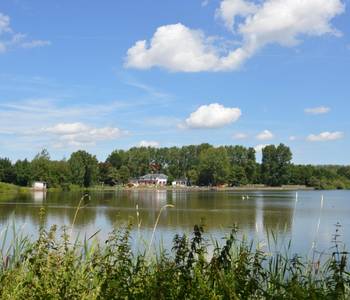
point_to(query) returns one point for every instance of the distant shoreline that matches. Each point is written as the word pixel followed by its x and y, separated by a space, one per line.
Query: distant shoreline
pixel 205 188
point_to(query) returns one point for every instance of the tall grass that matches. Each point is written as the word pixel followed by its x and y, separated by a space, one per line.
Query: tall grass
pixel 52 267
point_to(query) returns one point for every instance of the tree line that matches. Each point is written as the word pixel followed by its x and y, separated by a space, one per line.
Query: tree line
pixel 203 165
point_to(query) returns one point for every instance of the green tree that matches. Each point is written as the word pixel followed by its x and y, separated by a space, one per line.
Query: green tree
pixel 213 166
pixel 59 174
pixel 83 168
pixel 7 171
pixel 124 174
pixel 237 176
pixel 116 158
pixel 192 176
pixel 23 172
pixel 40 166
pixel 275 167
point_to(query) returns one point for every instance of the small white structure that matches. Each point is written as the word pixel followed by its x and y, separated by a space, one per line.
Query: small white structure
pixel 39 186
pixel 180 182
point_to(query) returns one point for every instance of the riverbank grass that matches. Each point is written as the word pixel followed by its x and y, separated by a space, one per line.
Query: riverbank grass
pixel 52 267
pixel 11 188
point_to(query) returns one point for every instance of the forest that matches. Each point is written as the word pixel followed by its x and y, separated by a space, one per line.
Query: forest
pixel 202 165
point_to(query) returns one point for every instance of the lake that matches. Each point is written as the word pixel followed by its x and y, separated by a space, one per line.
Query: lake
pixel 300 218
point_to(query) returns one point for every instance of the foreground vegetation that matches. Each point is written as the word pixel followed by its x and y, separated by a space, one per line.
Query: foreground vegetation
pixel 53 268
pixel 202 165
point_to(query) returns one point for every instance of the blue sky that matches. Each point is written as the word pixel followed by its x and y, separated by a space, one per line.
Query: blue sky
pixel 112 75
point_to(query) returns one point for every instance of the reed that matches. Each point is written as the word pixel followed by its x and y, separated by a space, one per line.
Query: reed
pixel 156 224
pixel 52 267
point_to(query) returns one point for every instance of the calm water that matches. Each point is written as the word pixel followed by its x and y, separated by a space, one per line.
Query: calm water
pixel 264 210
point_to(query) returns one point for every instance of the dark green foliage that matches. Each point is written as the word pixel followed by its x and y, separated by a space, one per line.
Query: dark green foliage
pixel 124 174
pixel 83 168
pixel 7 171
pixel 275 166
pixel 202 165
pixel 213 166
pixel 237 176
pixel 23 172
pixel 54 268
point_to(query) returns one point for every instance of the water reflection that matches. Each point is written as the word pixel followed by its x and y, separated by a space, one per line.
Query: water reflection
pixel 39 196
pixel 254 213
pixel 217 209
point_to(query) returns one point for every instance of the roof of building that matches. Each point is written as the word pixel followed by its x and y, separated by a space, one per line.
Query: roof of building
pixel 153 177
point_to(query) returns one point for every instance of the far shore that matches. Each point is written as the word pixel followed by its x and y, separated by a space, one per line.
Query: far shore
pixel 206 188
pixel 6 188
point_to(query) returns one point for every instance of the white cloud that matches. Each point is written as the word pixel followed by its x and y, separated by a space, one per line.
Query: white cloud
pixel 175 47
pixel 239 136
pixel 10 38
pixel 260 147
pixel 179 48
pixel 265 135
pixel 2 48
pixel 35 44
pixel 67 128
pixel 79 134
pixel 317 110
pixel 4 28
pixel 4 23
pixel 213 115
pixel 205 3
pixel 292 138
pixel 325 136
pixel 230 9
pixel 42 123
pixel 152 144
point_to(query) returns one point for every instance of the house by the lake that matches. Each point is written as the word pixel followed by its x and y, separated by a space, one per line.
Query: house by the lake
pixel 182 182
pixel 39 186
pixel 150 179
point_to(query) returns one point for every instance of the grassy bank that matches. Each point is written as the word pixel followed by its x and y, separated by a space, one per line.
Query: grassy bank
pixel 11 188
pixel 53 268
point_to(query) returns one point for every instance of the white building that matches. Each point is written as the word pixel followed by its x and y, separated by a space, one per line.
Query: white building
pixel 39 186
pixel 157 179
pixel 180 182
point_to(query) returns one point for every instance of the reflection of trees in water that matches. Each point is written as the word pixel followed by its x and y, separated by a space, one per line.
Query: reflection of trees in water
pixel 215 209
pixel 26 208
pixel 278 211
pixel 273 211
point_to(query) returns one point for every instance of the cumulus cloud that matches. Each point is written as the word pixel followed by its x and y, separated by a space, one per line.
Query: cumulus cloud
pixel 283 22
pixel 317 110
pixel 79 134
pixel 239 136
pixel 175 47
pixel 325 136
pixel 292 138
pixel 213 115
pixel 152 144
pixel 265 135
pixel 260 147
pixel 10 38
pixel 229 10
